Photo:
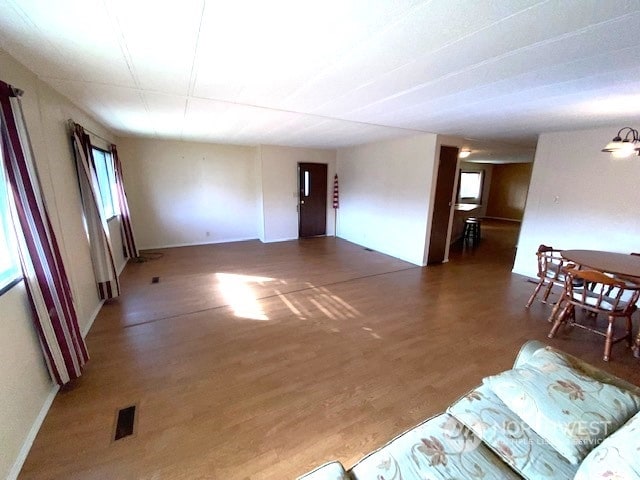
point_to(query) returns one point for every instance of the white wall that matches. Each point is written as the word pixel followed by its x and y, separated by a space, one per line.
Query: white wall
pixel 186 193
pixel 179 191
pixel 259 193
pixel 385 195
pixel 26 388
pixel 580 197
pixel 279 166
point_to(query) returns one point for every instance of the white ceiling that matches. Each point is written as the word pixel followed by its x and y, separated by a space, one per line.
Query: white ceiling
pixel 333 73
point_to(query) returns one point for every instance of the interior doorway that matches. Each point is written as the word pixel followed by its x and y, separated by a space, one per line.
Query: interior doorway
pixel 499 203
pixel 492 184
pixel 312 199
pixel 442 204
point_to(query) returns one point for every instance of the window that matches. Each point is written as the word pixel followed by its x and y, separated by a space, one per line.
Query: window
pixel 106 182
pixel 10 271
pixel 470 187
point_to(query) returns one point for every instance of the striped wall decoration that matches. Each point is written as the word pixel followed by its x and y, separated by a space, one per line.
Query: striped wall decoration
pixel 336 193
pixel 128 242
pixel 99 241
pixel 46 281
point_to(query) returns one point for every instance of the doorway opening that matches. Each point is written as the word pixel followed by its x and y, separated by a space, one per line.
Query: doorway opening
pixel 498 200
pixel 485 192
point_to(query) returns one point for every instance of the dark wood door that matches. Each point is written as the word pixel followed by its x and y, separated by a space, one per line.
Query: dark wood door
pixel 442 204
pixel 312 181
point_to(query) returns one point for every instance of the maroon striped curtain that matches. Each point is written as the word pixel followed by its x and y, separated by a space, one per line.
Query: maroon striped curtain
pixel 99 240
pixel 128 242
pixel 46 281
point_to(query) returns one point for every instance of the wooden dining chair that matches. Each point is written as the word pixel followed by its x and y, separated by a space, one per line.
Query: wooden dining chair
pixel 624 278
pixel 550 272
pixel 595 299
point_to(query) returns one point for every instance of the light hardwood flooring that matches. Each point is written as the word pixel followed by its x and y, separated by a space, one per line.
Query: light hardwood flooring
pixel 263 361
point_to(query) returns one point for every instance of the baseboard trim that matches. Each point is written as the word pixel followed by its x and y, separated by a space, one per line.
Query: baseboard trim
pixel 31 436
pixel 504 219
pixel 85 330
pixel 195 244
pixel 276 240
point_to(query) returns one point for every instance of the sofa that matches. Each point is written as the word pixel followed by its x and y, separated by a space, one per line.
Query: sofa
pixel 552 416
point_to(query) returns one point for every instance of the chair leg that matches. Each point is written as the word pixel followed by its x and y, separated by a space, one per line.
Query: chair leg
pixel 608 340
pixel 547 292
pixel 636 346
pixel 559 320
pixel 556 308
pixel 534 294
pixel 629 332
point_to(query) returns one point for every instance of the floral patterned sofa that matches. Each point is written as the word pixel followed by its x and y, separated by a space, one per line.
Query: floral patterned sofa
pixel 551 417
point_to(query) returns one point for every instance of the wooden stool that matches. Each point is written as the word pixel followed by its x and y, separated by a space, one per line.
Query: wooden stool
pixel 472 229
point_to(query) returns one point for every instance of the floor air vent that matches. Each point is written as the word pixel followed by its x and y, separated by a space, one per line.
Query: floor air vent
pixel 155 280
pixel 125 422
pixel 369 249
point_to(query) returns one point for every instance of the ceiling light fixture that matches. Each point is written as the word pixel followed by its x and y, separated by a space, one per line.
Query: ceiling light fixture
pixel 623 147
pixel 466 153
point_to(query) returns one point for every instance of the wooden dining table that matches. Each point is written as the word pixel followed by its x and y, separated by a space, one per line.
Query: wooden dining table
pixel 621 264
pixel 609 262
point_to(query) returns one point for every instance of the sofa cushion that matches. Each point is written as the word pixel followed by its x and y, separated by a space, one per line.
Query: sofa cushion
pixel 440 448
pixel 572 411
pixel 509 437
pixel 616 457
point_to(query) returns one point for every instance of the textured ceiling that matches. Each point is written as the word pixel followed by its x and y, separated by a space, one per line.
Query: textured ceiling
pixel 334 72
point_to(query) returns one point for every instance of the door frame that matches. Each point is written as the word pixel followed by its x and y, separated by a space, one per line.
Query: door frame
pixel 434 182
pixel 326 198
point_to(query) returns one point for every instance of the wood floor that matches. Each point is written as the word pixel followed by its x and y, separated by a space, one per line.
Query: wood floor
pixel 261 361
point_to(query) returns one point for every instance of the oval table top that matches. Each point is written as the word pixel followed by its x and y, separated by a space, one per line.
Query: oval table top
pixel 609 262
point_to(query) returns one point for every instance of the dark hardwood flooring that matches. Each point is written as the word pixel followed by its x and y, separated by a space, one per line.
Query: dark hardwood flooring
pixel 261 361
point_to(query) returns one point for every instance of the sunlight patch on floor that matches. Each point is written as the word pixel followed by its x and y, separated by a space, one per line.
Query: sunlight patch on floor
pixel 238 292
pixel 290 305
pixel 323 300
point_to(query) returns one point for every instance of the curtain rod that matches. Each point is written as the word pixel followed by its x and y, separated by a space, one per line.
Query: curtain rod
pixel 72 123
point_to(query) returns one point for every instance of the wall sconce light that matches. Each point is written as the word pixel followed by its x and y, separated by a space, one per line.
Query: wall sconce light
pixel 466 153
pixel 624 147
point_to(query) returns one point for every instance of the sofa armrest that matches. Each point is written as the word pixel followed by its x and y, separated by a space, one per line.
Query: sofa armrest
pixel 526 351
pixel 529 348
pixel 601 375
pixel 328 471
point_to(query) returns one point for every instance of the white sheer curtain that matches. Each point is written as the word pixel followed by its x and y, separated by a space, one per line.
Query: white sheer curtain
pixel 99 239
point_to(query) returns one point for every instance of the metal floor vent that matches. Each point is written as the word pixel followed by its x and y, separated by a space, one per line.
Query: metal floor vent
pixel 155 280
pixel 369 249
pixel 125 422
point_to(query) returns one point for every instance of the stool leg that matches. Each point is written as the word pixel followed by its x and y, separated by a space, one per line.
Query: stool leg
pixel 468 231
